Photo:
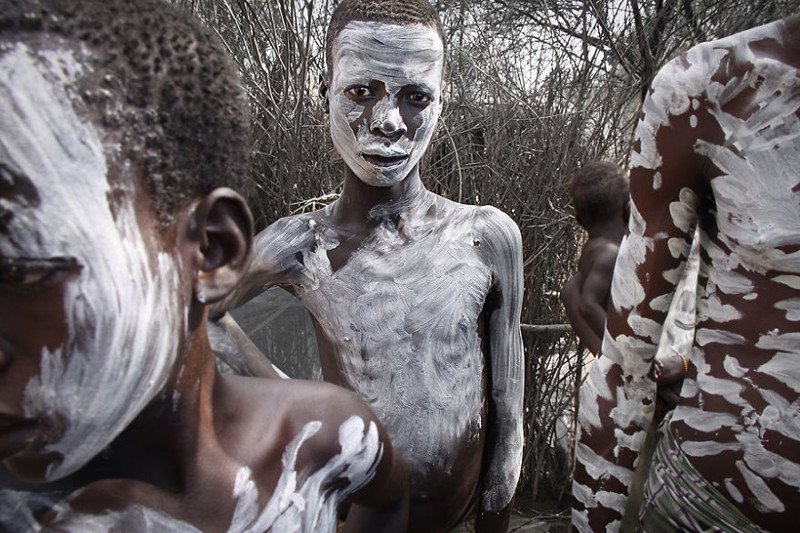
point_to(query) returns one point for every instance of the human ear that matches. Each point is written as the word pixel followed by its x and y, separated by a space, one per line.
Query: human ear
pixel 222 229
pixel 323 92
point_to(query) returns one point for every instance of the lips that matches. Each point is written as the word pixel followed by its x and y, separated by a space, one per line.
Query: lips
pixel 384 161
pixel 15 434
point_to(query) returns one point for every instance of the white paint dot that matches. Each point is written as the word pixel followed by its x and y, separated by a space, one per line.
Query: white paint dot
pixel 657 181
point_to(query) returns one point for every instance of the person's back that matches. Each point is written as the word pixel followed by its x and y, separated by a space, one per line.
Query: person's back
pixel 599 192
pixel 720 148
pixel 739 411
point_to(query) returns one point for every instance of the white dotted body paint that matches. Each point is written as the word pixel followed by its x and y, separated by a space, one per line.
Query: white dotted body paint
pixel 120 310
pixel 739 408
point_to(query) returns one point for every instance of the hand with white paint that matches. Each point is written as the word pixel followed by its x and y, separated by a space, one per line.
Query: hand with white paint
pixel 717 148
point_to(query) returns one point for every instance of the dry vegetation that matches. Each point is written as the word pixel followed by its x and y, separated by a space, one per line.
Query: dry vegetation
pixel 535 88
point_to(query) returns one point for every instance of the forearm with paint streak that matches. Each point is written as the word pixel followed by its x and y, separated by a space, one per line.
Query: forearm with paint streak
pixel 618 397
pixel 503 245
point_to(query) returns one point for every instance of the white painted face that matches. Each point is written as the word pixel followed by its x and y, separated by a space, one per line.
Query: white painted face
pixel 385 97
pixel 88 327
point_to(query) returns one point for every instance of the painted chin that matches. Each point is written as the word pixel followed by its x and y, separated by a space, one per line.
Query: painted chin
pixel 383 173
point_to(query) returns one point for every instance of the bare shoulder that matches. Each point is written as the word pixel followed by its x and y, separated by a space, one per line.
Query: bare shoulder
pixel 707 69
pixel 598 253
pixel 497 231
pixel 267 415
pixel 290 232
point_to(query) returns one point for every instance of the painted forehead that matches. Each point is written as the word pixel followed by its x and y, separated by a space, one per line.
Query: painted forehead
pixel 389 52
pixel 50 159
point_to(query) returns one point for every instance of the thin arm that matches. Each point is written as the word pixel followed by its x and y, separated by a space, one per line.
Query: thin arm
pixel 503 458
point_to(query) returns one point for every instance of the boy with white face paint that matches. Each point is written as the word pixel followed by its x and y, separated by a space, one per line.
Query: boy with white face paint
pixel 112 413
pixel 717 149
pixel 415 299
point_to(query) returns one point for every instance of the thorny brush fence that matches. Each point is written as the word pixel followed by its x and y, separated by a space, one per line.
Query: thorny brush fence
pixel 534 89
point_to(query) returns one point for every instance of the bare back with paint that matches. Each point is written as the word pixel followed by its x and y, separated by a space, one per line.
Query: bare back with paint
pixel 718 148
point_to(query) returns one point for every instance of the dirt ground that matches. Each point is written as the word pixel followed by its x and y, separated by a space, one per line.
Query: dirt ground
pixel 527 524
pixel 540 516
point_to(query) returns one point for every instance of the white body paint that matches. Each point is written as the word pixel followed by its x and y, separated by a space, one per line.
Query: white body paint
pixel 96 383
pixel 397 56
pixel 309 504
pixel 301 502
pixel 402 319
pixel 740 396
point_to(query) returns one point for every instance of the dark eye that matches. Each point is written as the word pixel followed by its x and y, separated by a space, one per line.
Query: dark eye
pixel 24 274
pixel 420 97
pixel 359 92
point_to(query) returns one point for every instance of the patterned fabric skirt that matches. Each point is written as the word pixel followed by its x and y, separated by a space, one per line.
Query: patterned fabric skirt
pixel 677 498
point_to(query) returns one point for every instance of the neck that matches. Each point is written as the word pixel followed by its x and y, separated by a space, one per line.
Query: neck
pixel 361 204
pixel 611 229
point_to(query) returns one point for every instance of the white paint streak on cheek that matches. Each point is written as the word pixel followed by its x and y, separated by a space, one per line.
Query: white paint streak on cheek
pixel 113 362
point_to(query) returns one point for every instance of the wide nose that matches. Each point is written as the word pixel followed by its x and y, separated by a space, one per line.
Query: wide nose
pixel 386 117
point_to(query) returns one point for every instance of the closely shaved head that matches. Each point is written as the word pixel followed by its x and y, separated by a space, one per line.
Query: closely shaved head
pixel 599 190
pixel 162 85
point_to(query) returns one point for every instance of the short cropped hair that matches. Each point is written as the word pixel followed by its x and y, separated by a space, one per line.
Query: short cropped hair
pixel 160 81
pixel 399 12
pixel 599 190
